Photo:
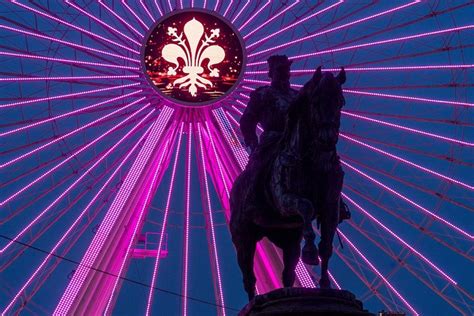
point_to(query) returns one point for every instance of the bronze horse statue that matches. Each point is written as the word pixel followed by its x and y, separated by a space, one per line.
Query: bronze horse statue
pixel 302 182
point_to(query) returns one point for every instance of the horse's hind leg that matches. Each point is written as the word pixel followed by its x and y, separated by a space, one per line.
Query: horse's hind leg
pixel 245 254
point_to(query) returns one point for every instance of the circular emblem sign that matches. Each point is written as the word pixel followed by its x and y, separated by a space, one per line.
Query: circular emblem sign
pixel 193 57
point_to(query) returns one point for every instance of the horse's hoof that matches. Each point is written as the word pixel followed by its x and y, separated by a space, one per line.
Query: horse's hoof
pixel 310 254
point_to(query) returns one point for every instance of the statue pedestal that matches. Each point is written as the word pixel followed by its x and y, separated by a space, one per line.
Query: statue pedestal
pixel 305 302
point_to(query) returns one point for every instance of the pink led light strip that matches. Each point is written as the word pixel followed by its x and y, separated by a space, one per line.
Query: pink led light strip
pixel 187 215
pixel 93 35
pixel 332 29
pixel 16 79
pixel 101 2
pixel 467 186
pixel 240 12
pixel 67 114
pixel 53 39
pixel 272 18
pixel 370 44
pixel 31 152
pixel 407 98
pixel 217 4
pixel 403 242
pixel 159 9
pixel 228 8
pixel 52 204
pixel 247 21
pixel 134 14
pixel 110 218
pixel 219 165
pixel 211 219
pixel 385 68
pixel 164 222
pixel 107 310
pixel 67 95
pixel 102 22
pixel 171 7
pixel 409 129
pixel 380 275
pixel 67 61
pixel 147 11
pixel 23 189
pixel 403 197
pixel 295 24
pixel 78 219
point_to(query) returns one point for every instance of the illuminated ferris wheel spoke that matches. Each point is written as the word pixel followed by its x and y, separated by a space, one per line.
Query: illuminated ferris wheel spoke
pixel 122 20
pixel 228 8
pixel 113 214
pixel 82 47
pixel 210 216
pixel 92 106
pixel 137 17
pixel 186 220
pixel 408 162
pixel 81 215
pixel 408 129
pixel 317 34
pixel 69 2
pixel 93 35
pixel 403 197
pixel 57 139
pixel 164 222
pixel 72 156
pixel 65 96
pixel 154 183
pixel 248 20
pixel 292 25
pixel 148 12
pixel 240 11
pixel 51 205
pixel 66 61
pixel 280 13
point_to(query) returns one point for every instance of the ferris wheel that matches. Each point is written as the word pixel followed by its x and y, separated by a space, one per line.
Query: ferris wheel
pixel 120 141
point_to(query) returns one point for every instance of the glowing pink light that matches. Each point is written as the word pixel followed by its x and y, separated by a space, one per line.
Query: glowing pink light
pixel 93 35
pixel 409 129
pixel 27 154
pixel 334 280
pixel 204 4
pixel 135 230
pixel 362 69
pixel 135 14
pixel 334 28
pixel 403 197
pixel 217 4
pixel 181 4
pixel 254 15
pixel 164 222
pixel 219 166
pixel 431 264
pixel 111 217
pixel 228 7
pixel 102 22
pixel 67 95
pixel 78 219
pixel 159 9
pixel 273 34
pixel 67 78
pixel 67 114
pixel 271 19
pixel 186 232
pixel 101 2
pixel 408 98
pixel 240 12
pixel 68 61
pixel 378 273
pixel 52 204
pixel 470 187
pixel 53 39
pixel 147 11
pixel 244 156
pixel 303 275
pixel 211 219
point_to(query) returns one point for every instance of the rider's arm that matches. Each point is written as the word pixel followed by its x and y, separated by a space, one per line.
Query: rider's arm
pixel 250 119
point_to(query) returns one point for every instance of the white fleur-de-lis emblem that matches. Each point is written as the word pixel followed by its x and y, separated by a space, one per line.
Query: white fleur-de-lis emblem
pixel 193 50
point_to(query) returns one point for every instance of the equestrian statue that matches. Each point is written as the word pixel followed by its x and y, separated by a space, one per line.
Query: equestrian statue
pixel 293 176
